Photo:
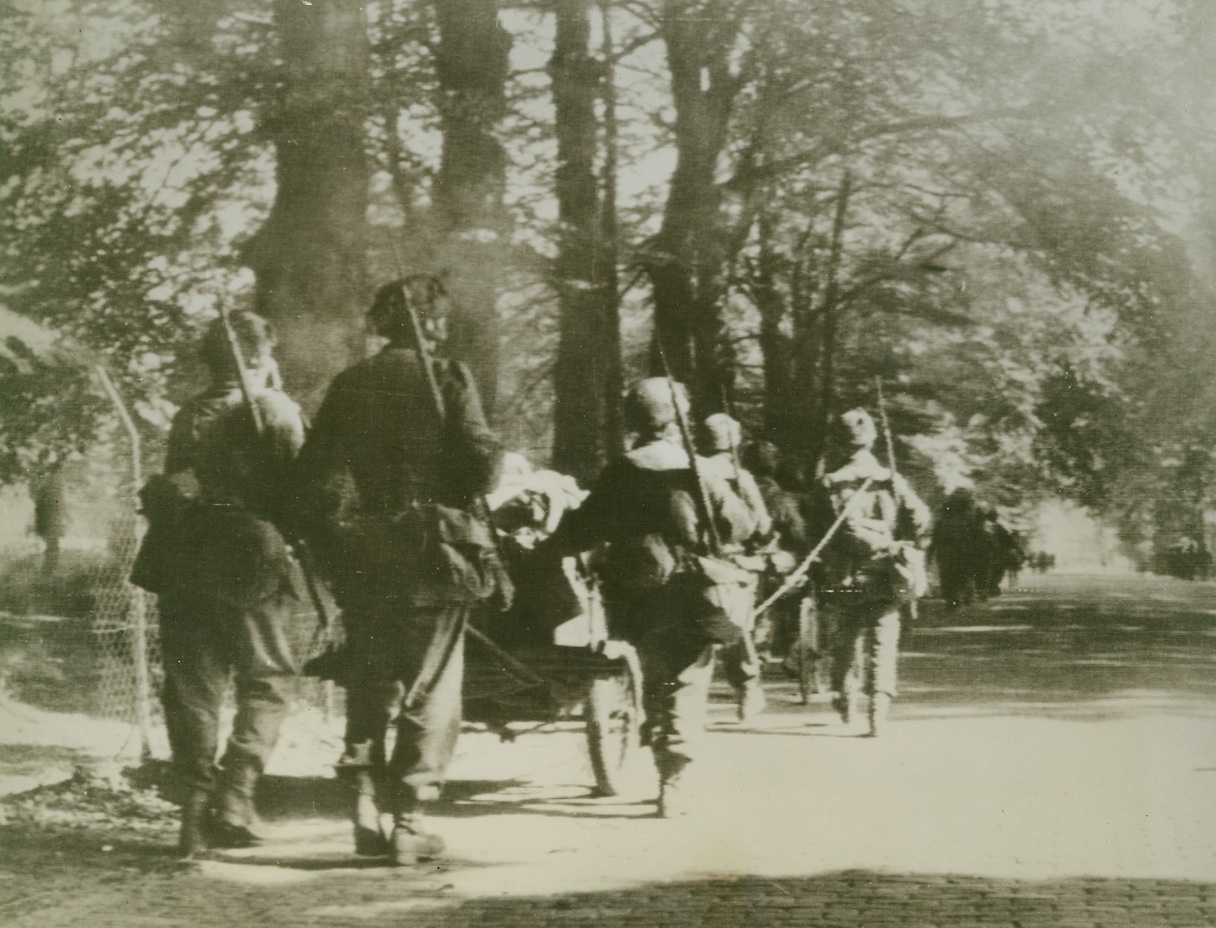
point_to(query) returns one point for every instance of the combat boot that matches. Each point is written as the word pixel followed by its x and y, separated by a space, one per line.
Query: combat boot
pixel 880 705
pixel 843 703
pixel 673 796
pixel 751 701
pixel 673 800
pixel 411 842
pixel 192 839
pixel 369 838
pixel 231 824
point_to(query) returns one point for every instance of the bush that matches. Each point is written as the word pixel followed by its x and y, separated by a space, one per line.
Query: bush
pixel 70 592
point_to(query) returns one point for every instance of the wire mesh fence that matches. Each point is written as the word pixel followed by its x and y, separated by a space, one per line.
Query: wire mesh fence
pixel 123 628
pixel 79 640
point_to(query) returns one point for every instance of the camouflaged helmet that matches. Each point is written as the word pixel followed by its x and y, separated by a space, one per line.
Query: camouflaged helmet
pixel 859 428
pixel 651 406
pixel 255 335
pixel 389 316
pixel 719 433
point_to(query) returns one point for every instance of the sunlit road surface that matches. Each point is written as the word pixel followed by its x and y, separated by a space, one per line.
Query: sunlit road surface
pixel 1051 760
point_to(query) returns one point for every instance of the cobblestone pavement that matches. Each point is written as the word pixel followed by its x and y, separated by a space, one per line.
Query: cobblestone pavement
pixel 1051 762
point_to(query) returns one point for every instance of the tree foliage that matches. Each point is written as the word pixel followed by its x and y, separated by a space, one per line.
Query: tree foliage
pixel 1001 211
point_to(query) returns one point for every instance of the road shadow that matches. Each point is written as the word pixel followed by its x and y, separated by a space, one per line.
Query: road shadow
pixel 284 798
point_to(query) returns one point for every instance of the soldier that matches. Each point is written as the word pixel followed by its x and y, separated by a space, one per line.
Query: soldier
pixel 392 473
pixel 782 622
pixel 868 570
pixel 227 582
pixel 50 517
pixel 956 547
pixel 720 438
pixel 657 590
pixel 1002 553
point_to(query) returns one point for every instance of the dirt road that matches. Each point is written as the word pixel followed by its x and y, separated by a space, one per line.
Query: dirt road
pixel 1051 761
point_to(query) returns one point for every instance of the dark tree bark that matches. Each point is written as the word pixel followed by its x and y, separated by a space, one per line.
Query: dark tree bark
pixel 801 362
pixel 824 388
pixel 687 260
pixel 309 256
pixel 471 62
pixel 587 413
pixel 776 346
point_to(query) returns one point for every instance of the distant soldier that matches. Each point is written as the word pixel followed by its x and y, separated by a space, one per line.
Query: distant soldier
pixel 955 548
pixel 719 441
pixel 50 517
pixel 391 477
pixel 227 582
pixel 868 569
pixel 780 624
pixel 660 593
pixel 1003 552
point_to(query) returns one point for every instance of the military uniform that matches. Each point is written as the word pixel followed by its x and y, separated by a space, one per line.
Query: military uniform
pixel 958 548
pixel 388 491
pixel 228 586
pixel 721 436
pixel 780 627
pixel 868 570
pixel 657 592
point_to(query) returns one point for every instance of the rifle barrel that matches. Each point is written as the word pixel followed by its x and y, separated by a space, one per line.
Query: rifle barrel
pixel 705 513
pixel 242 370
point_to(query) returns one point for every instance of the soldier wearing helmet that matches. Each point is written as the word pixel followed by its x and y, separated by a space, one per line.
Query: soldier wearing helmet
pixel 392 471
pixel 643 510
pixel 872 565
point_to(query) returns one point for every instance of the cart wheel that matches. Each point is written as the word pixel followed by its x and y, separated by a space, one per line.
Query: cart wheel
pixel 614 718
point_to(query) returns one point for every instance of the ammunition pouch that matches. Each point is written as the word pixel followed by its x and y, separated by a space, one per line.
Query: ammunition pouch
pixel 428 555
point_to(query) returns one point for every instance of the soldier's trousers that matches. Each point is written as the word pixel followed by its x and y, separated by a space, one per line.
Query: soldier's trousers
pixel 677 667
pixel 865 649
pixel 205 644
pixel 407 671
pixel 740 661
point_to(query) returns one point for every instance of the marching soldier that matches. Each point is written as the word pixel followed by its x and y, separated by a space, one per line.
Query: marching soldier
pixel 661 594
pixel 391 474
pixel 868 569
pixel 721 436
pixel 227 582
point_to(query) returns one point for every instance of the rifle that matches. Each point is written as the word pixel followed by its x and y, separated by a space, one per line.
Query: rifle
pixel 795 576
pixel 888 441
pixel 303 556
pixel 424 356
pixel 242 372
pixel 913 609
pixel 428 367
pixel 705 513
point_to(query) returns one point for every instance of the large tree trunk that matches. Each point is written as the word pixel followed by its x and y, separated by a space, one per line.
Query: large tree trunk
pixel 687 260
pixel 471 60
pixel 309 256
pixel 587 412
pixel 825 388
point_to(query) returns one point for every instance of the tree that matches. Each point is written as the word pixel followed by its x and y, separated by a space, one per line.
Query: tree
pixel 471 61
pixel 686 260
pixel 587 411
pixel 310 254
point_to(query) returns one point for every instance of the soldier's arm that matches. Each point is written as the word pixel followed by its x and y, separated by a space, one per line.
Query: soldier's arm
pixel 597 519
pixel 323 493
pixel 282 426
pixel 473 445
pixel 755 502
pixel 282 437
pixel 733 517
